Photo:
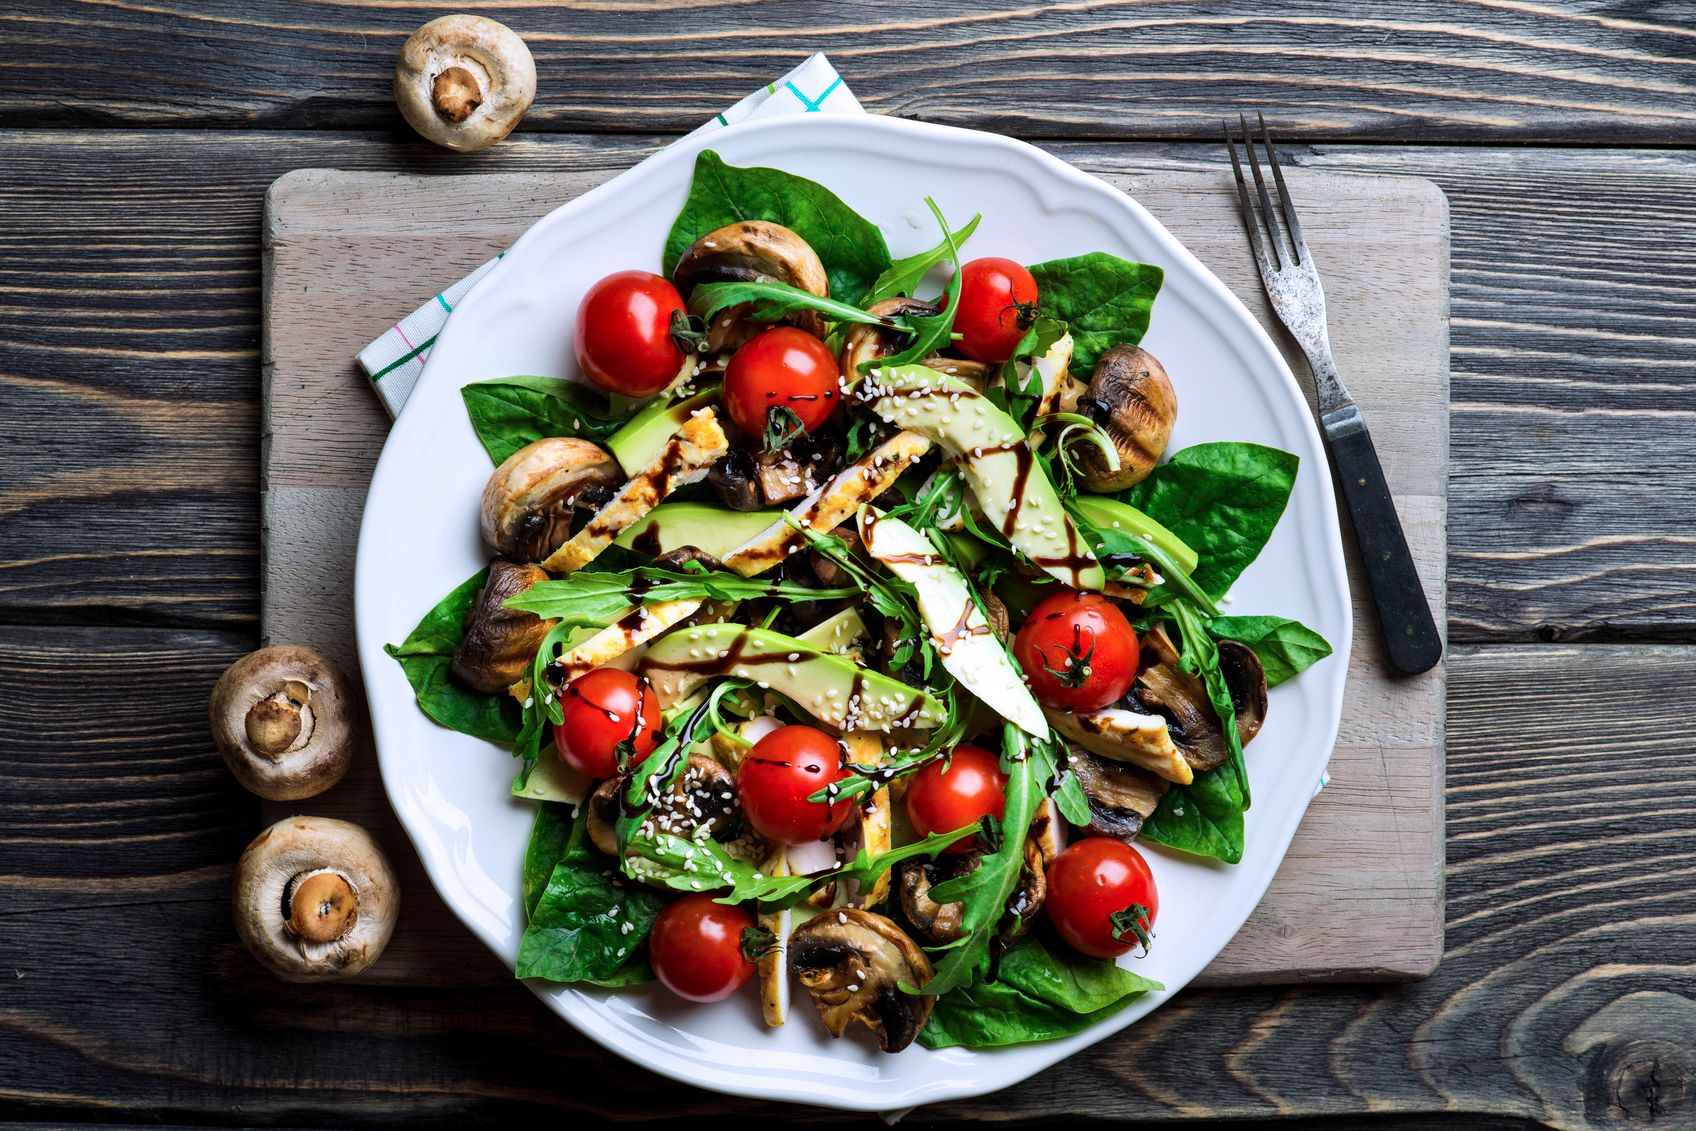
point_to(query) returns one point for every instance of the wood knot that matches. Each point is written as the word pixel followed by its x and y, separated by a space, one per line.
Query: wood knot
pixel 1641 1082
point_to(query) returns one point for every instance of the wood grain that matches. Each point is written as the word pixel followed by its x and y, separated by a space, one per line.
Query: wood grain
pixel 356 243
pixel 129 362
pixel 1563 997
pixel 1431 70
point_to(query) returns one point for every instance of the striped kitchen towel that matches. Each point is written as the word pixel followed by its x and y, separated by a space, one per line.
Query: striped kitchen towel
pixel 394 361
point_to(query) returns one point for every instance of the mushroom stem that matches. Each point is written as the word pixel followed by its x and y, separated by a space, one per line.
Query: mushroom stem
pixel 274 724
pixel 455 94
pixel 322 906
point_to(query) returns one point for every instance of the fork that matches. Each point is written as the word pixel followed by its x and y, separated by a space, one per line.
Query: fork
pixel 1292 283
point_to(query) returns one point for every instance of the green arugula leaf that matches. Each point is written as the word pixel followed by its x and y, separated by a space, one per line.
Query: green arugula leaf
pixel 1039 995
pixel 587 924
pixel 783 426
pixel 597 598
pixel 904 275
pixel 426 656
pixel 1104 299
pixel 1286 647
pixel 1223 500
pixel 983 892
pixel 772 301
pixel 509 412
pixel 1119 550
pixel 932 333
pixel 851 247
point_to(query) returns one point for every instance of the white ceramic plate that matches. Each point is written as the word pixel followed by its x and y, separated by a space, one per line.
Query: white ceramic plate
pixel 419 540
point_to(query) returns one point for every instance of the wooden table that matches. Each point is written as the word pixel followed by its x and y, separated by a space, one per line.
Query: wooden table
pixel 136 142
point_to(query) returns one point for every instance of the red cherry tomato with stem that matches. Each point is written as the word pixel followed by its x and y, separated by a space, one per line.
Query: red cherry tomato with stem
pixel 1101 897
pixel 623 340
pixel 780 773
pixel 1078 651
pixel 781 368
pixel 970 788
pixel 602 709
pixel 997 305
pixel 695 947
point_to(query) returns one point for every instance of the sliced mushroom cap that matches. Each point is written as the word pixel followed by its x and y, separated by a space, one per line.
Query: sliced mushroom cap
pixel 868 343
pixel 283 718
pixel 1132 400
pixel 1182 698
pixel 853 964
pixel 500 642
pixel 464 81
pixel 540 493
pixel 315 899
pixel 751 251
pixel 1121 796
pixel 940 923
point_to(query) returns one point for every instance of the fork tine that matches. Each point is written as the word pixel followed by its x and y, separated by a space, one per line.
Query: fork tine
pixel 1268 214
pixel 1298 243
pixel 1250 224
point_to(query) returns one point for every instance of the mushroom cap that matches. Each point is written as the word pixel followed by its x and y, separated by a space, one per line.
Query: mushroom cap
pixel 852 963
pixel 1182 698
pixel 531 498
pixel 751 251
pixel 283 718
pixel 315 899
pixel 864 343
pixel 1121 796
pixel 464 81
pixel 1132 399
pixel 500 642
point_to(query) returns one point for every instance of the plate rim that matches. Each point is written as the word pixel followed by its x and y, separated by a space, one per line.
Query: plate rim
pixel 1040 1055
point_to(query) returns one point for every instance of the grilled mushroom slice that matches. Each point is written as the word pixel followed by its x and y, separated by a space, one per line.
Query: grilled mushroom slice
pixel 538 496
pixel 868 343
pixel 704 798
pixel 755 251
pixel 1182 699
pixel 315 899
pixel 283 718
pixel 1132 400
pixel 500 642
pixel 853 964
pixel 1121 796
pixel 939 923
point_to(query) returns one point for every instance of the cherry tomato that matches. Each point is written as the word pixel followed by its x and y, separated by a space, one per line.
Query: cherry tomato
pixel 623 339
pixel 1078 651
pixel 970 789
pixel 603 708
pixel 1100 895
pixel 695 947
pixel 781 368
pixel 997 305
pixel 778 775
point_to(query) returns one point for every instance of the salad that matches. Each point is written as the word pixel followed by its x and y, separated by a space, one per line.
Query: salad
pixel 851 630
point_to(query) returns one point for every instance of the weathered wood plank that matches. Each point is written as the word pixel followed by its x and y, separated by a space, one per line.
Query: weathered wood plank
pixel 1563 997
pixel 129 367
pixel 1425 70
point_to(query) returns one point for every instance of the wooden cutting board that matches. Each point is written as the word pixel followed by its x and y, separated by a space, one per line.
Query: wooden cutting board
pixel 1360 894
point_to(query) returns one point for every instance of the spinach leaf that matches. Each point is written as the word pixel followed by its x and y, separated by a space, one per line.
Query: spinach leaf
pixel 850 246
pixel 904 275
pixel 1040 994
pixel 1286 647
pixel 426 656
pixel 1204 818
pixel 549 835
pixel 510 412
pixel 1104 299
pixel 578 928
pixel 1223 500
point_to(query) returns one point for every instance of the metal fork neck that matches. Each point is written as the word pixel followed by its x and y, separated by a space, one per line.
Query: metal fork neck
pixel 1327 382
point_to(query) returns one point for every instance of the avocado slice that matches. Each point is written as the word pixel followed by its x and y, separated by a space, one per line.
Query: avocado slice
pixel 844 634
pixel 834 689
pixel 1122 516
pixel 644 436
pixel 1004 473
pixel 705 526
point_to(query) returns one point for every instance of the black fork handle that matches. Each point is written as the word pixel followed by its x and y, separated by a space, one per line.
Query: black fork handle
pixel 1404 615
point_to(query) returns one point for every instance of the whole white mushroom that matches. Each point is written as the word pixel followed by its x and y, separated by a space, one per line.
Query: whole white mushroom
pixel 464 81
